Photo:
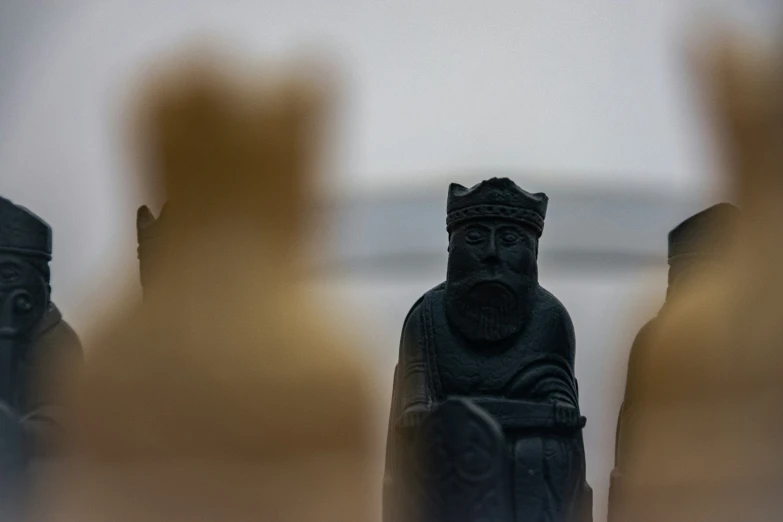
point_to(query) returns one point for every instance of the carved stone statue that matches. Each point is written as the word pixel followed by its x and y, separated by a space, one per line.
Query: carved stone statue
pixel 33 331
pixel 34 339
pixel 25 249
pixel 491 335
pixel 694 245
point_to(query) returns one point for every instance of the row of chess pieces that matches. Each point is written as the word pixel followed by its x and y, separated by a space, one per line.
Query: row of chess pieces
pixel 232 393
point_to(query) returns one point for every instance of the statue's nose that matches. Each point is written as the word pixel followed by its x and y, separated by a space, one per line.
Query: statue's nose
pixel 491 254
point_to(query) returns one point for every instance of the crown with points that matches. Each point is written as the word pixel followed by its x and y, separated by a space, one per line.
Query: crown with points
pixel 230 148
pixel 702 231
pixel 22 232
pixel 498 198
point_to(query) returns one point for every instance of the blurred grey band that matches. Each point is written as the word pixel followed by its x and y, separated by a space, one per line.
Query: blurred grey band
pixel 586 229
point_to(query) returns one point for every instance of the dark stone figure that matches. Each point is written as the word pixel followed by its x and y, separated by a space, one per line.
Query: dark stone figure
pixel 33 339
pixel 493 337
pixel 149 249
pixel 694 244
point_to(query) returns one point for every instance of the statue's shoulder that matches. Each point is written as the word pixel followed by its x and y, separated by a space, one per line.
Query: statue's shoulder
pixel 640 347
pixel 643 336
pixel 550 307
pixel 54 333
pixel 416 308
pixel 554 324
pixel 410 325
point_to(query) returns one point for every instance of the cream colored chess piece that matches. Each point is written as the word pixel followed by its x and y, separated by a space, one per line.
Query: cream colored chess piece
pixel 230 394
pixel 706 439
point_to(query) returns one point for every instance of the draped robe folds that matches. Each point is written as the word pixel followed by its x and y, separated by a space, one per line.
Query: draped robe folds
pixel 518 385
pixel 54 351
pixel 30 433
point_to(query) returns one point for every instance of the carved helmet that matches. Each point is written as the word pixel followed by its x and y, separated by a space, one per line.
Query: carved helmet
pixel 23 233
pixel 24 278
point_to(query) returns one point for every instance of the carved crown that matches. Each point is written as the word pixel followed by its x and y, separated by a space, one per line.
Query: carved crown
pixel 229 147
pixel 496 198
pixel 703 230
pixel 22 232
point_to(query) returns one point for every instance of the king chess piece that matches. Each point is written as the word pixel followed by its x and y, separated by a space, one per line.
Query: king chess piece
pixel 491 335
pixel 695 246
pixel 232 383
pixel 37 341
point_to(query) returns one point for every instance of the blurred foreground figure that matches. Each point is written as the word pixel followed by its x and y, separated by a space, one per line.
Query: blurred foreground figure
pixel 706 438
pixel 35 342
pixel 230 394
pixel 695 245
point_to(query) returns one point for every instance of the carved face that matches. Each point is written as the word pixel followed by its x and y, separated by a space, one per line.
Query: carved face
pixel 492 269
pixel 24 296
pixel 494 248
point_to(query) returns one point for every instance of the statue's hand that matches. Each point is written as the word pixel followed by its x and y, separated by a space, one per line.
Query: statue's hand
pixel 413 417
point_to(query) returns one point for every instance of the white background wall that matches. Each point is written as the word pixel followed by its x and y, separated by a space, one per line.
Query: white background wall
pixel 593 93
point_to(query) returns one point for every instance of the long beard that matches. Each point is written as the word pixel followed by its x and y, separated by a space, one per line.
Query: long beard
pixel 489 310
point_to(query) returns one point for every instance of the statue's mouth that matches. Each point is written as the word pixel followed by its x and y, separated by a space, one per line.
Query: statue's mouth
pixel 490 293
pixel 486 309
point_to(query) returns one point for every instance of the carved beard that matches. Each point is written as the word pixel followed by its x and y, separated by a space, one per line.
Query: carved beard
pixel 489 309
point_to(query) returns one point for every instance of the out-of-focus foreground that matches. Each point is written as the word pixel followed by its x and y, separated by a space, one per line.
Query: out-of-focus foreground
pixel 232 384
pixel 701 437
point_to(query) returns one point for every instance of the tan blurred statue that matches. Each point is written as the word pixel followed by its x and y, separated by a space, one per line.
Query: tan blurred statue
pixel 705 441
pixel 231 394
pixel 695 246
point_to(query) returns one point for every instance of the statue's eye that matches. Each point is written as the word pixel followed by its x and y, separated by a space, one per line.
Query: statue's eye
pixel 475 235
pixel 23 303
pixel 509 237
pixel 9 273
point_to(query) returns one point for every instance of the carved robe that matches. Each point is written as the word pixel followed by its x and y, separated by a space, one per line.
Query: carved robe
pixel 527 386
pixel 55 352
